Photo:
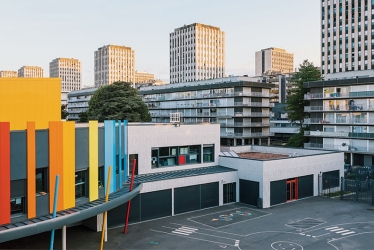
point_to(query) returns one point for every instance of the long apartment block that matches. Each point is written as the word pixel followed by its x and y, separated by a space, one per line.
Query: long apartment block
pixel 240 104
pixel 341 117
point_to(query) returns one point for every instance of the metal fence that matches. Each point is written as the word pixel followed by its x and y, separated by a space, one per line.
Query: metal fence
pixel 357 190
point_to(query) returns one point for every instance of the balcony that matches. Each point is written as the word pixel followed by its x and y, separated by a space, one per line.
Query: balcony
pixel 339 147
pixel 253 114
pixel 203 96
pixel 339 108
pixel 256 134
pixel 339 134
pixel 337 121
pixel 339 95
pixel 246 124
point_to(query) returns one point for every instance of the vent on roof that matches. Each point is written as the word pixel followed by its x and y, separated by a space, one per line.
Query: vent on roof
pixel 229 153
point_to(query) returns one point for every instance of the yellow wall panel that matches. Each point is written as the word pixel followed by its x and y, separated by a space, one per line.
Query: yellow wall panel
pixel 93 147
pixel 30 99
pixel 69 164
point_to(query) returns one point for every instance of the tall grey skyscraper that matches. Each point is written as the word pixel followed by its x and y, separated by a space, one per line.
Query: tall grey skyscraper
pixel 197 52
pixel 70 72
pixel 114 63
pixel 346 35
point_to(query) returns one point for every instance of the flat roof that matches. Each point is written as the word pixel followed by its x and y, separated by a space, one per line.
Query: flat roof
pixel 181 174
pixel 261 156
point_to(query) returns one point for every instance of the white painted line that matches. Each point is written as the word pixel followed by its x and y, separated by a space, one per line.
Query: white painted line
pixel 190 228
pixel 179 233
pixel 343 231
pixel 182 231
pixel 330 228
pixel 308 235
pixel 233 209
pixel 186 230
pixel 348 233
pixel 241 221
pixel 302 234
pixel 191 237
pixel 338 229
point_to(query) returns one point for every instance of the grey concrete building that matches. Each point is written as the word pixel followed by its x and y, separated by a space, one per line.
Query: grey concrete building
pixel 240 104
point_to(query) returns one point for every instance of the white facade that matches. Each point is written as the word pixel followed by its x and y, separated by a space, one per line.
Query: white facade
pixel 168 135
pixel 114 63
pixel 273 60
pixel 346 35
pixel 197 52
pixel 306 162
pixel 8 73
pixel 31 72
pixel 70 72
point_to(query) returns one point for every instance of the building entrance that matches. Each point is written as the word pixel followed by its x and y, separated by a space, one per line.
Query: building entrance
pixel 292 189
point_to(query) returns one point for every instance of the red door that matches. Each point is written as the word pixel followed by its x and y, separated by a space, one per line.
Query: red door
pixel 292 189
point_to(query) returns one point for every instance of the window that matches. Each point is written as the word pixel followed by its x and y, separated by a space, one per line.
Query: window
pixel 41 180
pixel 208 153
pixel 80 184
pixel 172 156
pixel 17 205
pixel 131 163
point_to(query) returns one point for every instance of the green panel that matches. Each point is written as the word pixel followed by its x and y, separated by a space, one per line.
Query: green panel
pixel 278 192
pixel 186 199
pixel 305 186
pixel 249 192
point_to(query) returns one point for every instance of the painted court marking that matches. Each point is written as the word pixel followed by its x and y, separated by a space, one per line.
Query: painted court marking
pixel 226 216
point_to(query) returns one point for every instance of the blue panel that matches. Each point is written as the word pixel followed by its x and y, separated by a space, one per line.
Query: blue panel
pixel 110 153
pixel 125 155
pixel 120 153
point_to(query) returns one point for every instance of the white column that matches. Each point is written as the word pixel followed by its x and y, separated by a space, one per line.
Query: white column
pixel 64 238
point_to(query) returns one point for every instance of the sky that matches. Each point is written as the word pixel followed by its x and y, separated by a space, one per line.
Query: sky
pixel 34 32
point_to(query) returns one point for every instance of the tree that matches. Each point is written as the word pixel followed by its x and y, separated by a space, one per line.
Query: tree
pixel 64 112
pixel 83 117
pixel 296 103
pixel 117 101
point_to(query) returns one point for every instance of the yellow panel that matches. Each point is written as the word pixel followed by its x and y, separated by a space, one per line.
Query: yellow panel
pixel 68 149
pixel 93 153
pixel 30 99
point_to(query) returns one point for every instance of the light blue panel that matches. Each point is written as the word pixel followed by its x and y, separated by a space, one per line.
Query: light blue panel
pixel 120 153
pixel 125 155
pixel 110 153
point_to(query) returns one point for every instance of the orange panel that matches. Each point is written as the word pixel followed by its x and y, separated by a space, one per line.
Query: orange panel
pixel 55 164
pixel 31 171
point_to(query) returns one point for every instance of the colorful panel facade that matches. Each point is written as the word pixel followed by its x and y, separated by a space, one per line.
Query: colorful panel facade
pixel 30 99
pixel 68 164
pixel 31 171
pixel 4 172
pixel 93 152
pixel 110 153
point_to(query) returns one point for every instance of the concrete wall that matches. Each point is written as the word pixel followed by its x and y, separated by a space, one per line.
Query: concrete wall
pixel 143 137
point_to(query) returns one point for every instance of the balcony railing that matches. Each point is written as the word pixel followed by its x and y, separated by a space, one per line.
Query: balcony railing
pixel 256 134
pixel 246 124
pixel 339 134
pixel 339 108
pixel 339 147
pixel 337 121
pixel 214 95
pixel 339 95
pixel 254 114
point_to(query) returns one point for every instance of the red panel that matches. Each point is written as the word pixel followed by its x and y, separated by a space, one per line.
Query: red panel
pixel 182 159
pixel 4 173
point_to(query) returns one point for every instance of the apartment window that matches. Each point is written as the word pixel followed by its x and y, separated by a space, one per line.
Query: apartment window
pixel 81 184
pixel 42 180
pixel 17 205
